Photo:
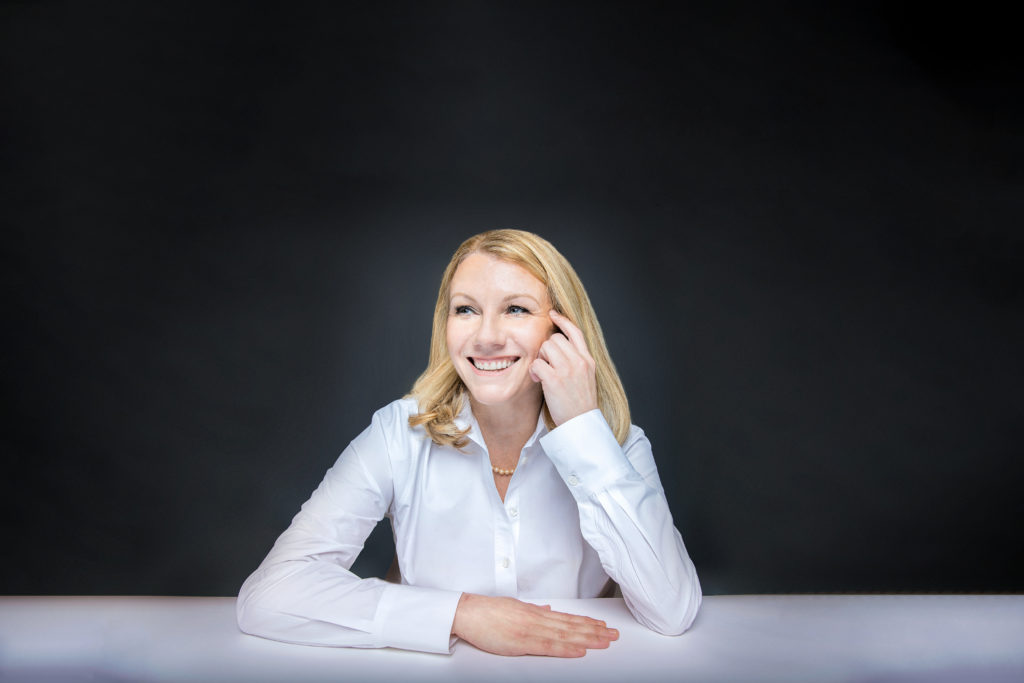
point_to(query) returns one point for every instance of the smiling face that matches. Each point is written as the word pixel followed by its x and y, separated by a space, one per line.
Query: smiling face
pixel 497 321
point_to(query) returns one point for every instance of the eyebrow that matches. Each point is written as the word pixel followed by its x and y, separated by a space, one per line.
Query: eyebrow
pixel 510 297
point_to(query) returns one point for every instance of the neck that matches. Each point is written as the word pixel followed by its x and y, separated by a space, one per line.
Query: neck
pixel 505 428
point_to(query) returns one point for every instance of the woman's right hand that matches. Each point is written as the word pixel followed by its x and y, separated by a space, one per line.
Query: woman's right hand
pixel 506 626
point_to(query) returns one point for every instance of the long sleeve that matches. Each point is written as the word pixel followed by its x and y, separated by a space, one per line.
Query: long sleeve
pixel 303 592
pixel 625 517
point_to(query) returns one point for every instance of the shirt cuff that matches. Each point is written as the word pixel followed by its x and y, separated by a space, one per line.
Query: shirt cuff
pixel 417 618
pixel 586 454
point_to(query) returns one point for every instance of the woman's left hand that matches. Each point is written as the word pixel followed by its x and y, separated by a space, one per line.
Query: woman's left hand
pixel 566 371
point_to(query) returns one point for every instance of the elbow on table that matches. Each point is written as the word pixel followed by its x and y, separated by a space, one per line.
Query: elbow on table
pixel 672 617
pixel 251 610
pixel 246 617
pixel 246 622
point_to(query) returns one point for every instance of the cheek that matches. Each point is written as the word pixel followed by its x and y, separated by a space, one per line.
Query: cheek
pixel 452 337
pixel 535 337
pixel 458 334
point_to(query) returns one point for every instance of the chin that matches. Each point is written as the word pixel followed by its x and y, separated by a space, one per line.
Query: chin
pixel 497 396
pixel 489 397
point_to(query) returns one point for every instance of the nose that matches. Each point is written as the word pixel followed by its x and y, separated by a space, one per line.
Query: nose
pixel 491 333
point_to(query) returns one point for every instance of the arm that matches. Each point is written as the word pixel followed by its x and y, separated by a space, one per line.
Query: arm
pixel 623 512
pixel 303 592
pixel 625 517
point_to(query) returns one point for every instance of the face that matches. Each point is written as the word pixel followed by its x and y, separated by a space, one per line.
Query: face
pixel 497 320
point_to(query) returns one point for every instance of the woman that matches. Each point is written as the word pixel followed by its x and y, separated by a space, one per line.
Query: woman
pixel 510 471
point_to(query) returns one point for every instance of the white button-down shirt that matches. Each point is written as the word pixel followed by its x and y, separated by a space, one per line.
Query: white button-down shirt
pixel 579 509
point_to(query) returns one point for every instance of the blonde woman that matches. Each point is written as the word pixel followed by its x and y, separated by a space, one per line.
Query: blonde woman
pixel 510 471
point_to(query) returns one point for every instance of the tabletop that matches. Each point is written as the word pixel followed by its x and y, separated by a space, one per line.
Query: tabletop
pixel 855 638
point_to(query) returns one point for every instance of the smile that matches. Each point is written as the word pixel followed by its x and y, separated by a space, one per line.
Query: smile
pixel 493 364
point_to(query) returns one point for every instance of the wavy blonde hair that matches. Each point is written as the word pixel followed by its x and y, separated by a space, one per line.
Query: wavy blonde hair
pixel 440 391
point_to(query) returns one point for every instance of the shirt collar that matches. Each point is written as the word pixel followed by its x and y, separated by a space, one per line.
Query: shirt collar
pixel 465 419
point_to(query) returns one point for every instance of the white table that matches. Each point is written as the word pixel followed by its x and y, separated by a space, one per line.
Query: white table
pixel 864 638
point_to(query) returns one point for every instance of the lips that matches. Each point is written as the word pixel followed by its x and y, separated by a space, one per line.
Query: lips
pixel 493 364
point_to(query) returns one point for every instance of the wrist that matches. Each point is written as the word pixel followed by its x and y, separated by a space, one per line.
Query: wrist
pixel 460 613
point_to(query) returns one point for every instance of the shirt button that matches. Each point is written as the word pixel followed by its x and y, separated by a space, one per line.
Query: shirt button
pixel 573 480
pixel 505 563
pixel 513 512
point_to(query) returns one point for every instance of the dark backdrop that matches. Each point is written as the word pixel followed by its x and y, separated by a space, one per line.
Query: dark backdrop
pixel 223 228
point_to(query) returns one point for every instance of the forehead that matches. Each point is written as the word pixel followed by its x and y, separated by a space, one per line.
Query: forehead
pixel 483 273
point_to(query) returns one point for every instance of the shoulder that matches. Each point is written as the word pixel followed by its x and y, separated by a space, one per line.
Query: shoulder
pixel 392 422
pixel 388 441
pixel 397 412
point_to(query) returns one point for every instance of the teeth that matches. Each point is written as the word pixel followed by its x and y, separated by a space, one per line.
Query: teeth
pixel 492 364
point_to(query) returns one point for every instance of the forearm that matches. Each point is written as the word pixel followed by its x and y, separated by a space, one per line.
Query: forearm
pixel 320 603
pixel 303 592
pixel 624 516
pixel 631 529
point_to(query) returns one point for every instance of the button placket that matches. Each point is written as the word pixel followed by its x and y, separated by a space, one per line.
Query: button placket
pixel 512 504
pixel 512 514
pixel 504 554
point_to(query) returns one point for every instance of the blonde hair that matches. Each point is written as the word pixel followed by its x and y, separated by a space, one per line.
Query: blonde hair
pixel 440 391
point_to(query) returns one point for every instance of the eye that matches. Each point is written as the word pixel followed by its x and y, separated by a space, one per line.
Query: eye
pixel 517 310
pixel 463 310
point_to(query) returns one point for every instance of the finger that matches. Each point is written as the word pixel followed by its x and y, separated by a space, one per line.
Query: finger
pixel 553 352
pixel 592 633
pixel 571 331
pixel 584 637
pixel 580 618
pixel 559 634
pixel 586 624
pixel 568 350
pixel 575 622
pixel 540 371
pixel 554 648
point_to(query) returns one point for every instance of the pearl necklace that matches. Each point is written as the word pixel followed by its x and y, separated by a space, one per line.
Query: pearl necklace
pixel 502 472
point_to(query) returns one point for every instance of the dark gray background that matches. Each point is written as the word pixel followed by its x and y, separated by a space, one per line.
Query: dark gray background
pixel 801 228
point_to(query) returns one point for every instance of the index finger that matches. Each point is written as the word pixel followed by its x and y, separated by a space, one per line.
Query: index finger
pixel 564 616
pixel 570 330
pixel 576 619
